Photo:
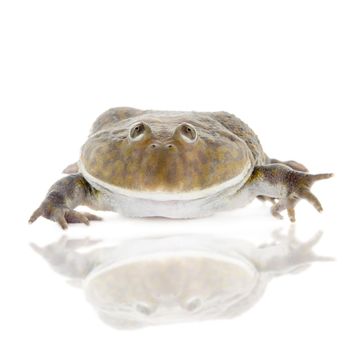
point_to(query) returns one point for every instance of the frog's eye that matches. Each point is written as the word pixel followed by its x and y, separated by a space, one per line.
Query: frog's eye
pixel 187 132
pixel 137 131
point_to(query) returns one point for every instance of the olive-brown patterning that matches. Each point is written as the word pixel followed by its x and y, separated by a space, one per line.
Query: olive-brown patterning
pixel 174 164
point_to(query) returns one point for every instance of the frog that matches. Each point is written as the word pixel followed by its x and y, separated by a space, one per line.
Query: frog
pixel 163 279
pixel 174 164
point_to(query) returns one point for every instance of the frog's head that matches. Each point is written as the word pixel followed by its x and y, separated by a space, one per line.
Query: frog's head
pixel 176 154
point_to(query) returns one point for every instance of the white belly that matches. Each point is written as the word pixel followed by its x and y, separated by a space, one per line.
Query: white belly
pixel 226 196
pixel 141 207
pixel 177 209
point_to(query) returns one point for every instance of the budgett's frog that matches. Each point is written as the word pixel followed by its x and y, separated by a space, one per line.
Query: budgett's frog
pixel 174 164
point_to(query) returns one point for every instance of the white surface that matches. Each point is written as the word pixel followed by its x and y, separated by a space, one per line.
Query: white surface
pixel 283 67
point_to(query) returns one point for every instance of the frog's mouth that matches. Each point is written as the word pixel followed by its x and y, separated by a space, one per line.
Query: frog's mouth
pixel 233 184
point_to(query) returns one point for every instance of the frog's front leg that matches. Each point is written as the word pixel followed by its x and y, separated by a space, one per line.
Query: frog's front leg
pixel 288 186
pixel 63 197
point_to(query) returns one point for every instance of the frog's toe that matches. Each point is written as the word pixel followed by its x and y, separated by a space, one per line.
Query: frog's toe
pixel 278 207
pixel 74 217
pixel 92 217
pixel 61 220
pixel 36 214
pixel 312 199
pixel 285 204
pixel 291 214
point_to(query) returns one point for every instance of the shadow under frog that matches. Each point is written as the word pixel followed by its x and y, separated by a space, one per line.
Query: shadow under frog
pixel 158 280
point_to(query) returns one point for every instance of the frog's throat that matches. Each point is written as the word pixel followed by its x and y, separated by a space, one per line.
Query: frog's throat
pixel 234 184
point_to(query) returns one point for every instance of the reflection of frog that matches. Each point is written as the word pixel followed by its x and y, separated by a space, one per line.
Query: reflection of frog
pixel 174 164
pixel 152 281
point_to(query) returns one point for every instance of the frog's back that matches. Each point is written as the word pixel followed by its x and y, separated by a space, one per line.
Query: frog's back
pixel 114 116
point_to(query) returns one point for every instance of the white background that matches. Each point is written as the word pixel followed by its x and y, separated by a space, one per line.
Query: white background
pixel 282 66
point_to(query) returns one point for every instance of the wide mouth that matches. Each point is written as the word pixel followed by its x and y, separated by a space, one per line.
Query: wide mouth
pixel 235 183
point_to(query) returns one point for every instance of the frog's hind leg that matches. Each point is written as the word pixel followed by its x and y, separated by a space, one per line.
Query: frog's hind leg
pixel 291 163
pixel 71 168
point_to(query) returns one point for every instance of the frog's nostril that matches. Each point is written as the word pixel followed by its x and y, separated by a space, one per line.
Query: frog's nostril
pixel 169 146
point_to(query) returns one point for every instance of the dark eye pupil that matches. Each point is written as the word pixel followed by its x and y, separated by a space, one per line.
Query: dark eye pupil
pixel 137 130
pixel 188 132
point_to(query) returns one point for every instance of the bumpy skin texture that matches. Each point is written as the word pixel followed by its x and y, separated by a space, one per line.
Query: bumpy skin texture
pixel 195 154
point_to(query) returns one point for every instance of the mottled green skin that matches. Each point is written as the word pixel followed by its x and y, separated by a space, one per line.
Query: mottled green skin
pixel 162 160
